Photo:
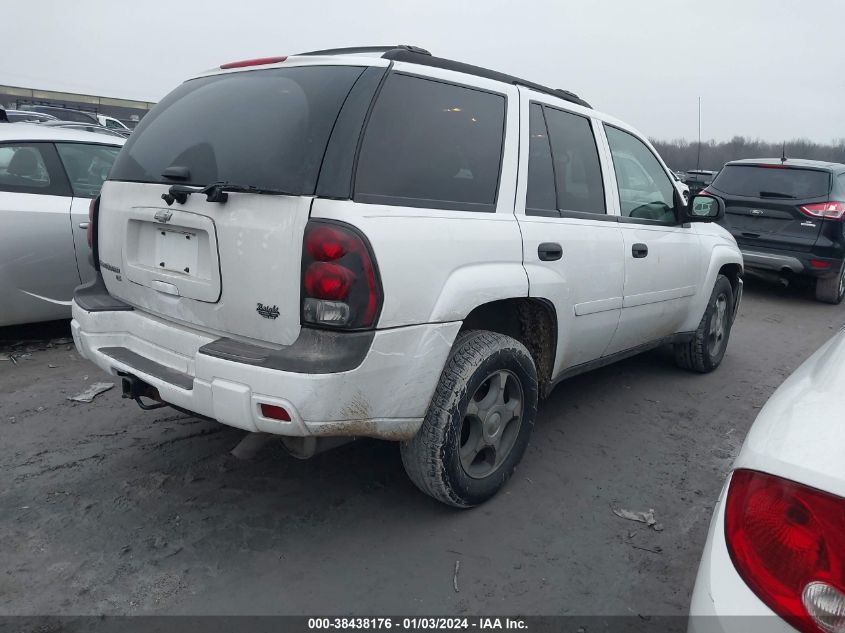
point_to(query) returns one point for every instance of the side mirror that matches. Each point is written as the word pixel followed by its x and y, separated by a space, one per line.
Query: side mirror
pixel 702 208
pixel 705 209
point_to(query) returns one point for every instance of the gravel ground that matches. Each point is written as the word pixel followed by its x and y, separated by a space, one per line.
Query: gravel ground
pixel 110 509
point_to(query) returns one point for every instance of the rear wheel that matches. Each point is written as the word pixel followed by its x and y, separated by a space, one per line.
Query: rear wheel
pixel 832 289
pixel 704 352
pixel 478 423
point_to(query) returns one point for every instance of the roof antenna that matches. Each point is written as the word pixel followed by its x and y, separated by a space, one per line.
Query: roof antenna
pixel 783 155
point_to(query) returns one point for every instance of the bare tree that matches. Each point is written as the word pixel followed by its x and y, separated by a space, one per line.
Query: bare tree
pixel 681 154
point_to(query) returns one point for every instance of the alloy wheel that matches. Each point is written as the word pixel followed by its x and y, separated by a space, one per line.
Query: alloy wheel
pixel 491 424
pixel 718 326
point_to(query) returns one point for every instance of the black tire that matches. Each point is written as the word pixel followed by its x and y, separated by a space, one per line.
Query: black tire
pixel 701 353
pixel 831 289
pixel 439 459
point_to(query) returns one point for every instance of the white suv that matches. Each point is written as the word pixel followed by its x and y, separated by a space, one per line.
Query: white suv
pixel 392 245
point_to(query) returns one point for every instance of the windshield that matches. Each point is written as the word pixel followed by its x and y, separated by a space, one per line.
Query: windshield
pixel 265 128
pixel 776 181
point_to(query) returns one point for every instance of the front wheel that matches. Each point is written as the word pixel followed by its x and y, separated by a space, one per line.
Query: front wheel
pixel 478 423
pixel 704 352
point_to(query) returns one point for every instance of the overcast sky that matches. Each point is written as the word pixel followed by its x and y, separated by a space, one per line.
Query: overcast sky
pixel 770 69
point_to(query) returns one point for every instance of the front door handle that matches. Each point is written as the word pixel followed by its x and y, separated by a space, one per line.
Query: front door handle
pixel 549 251
pixel 639 250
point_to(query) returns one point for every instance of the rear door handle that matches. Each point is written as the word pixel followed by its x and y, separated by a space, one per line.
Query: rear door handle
pixel 83 225
pixel 549 251
pixel 639 250
pixel 749 234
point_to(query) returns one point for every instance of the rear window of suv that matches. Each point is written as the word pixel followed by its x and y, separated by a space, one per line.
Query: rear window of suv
pixel 775 181
pixel 264 128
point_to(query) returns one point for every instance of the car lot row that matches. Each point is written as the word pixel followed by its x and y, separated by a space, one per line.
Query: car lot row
pixel 297 280
pixel 55 116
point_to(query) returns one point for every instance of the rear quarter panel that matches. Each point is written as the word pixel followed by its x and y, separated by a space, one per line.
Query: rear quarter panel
pixel 436 266
pixel 800 432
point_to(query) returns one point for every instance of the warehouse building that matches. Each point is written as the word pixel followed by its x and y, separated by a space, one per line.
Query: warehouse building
pixel 126 110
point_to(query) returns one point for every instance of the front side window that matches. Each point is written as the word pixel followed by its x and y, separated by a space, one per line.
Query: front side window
pixel 645 190
pixel 87 166
pixel 432 144
pixel 576 162
pixel 263 128
pixel 23 169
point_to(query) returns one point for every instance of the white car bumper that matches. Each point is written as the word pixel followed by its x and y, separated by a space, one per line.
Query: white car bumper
pixel 385 396
pixel 721 601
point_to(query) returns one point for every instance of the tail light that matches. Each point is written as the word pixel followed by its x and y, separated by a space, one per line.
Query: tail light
pixel 340 281
pixel 787 542
pixel 829 210
pixel 91 231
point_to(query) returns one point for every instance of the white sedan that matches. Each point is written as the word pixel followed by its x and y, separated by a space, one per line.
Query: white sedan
pixel 776 547
pixel 48 177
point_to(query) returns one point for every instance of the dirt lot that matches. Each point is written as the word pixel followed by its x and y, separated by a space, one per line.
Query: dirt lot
pixel 109 509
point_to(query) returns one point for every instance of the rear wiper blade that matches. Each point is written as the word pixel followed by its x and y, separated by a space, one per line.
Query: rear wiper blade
pixel 215 192
pixel 775 194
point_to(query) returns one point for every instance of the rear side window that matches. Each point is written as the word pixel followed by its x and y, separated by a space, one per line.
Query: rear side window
pixel 772 182
pixel 432 144
pixel 87 166
pixel 576 163
pixel 31 168
pixel 540 198
pixel 265 128
pixel 645 190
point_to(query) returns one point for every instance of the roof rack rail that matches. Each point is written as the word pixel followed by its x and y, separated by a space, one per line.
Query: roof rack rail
pixel 406 54
pixel 417 55
pixel 353 50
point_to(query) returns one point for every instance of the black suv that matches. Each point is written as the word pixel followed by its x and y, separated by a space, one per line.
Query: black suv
pixel 786 216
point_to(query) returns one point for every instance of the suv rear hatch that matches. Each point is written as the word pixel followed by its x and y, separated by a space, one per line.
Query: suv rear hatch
pixel 763 204
pixel 231 266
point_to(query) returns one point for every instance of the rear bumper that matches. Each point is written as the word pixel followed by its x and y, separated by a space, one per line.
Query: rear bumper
pixel 789 262
pixel 772 261
pixel 382 393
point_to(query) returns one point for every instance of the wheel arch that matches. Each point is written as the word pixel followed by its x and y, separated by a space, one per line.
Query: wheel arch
pixel 724 259
pixel 531 321
pixel 733 272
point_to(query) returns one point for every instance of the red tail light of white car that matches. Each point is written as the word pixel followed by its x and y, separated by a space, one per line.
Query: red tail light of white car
pixel 787 541
pixel 776 547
